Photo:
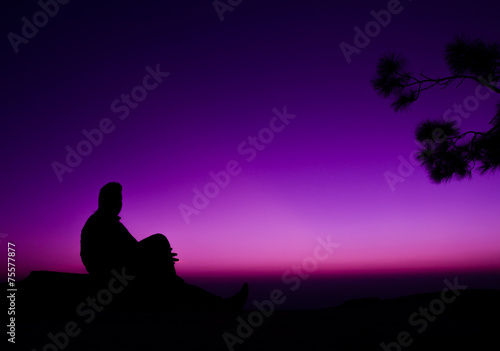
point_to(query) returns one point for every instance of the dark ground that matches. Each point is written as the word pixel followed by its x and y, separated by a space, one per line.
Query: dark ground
pixel 47 302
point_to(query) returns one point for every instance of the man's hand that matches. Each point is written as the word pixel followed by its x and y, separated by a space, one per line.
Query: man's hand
pixel 173 254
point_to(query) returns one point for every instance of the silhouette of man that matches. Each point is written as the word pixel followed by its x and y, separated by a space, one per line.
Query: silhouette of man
pixel 106 245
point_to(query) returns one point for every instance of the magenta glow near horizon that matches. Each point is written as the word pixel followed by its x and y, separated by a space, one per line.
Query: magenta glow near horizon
pixel 246 142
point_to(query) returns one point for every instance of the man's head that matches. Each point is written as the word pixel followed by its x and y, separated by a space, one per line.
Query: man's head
pixel 110 198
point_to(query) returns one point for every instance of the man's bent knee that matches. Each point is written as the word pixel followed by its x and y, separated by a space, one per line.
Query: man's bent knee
pixel 157 239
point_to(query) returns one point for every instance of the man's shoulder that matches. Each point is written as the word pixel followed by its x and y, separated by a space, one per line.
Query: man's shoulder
pixel 95 220
pixel 98 220
pixel 92 219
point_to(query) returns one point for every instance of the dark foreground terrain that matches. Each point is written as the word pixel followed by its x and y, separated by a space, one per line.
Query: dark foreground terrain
pixel 62 311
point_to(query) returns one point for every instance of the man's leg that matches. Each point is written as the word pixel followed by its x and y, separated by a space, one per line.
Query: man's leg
pixel 155 258
pixel 192 297
pixel 157 265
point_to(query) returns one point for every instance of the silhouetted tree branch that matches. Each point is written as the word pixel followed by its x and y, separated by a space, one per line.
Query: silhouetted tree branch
pixel 446 152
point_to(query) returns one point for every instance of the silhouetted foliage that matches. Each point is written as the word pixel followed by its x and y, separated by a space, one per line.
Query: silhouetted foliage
pixel 465 56
pixel 447 153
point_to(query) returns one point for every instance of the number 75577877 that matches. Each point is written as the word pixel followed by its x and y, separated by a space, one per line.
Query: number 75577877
pixel 11 253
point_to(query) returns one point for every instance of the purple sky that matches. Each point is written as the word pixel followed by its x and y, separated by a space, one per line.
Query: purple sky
pixel 321 175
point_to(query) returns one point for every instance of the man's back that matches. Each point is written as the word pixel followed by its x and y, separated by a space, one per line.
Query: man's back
pixel 105 244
